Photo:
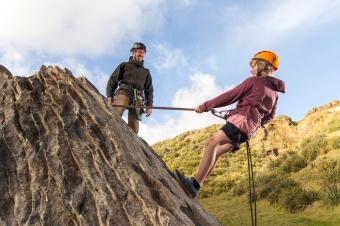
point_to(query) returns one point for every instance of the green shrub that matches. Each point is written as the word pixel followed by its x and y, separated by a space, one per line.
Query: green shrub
pixel 334 125
pixel 312 146
pixel 281 190
pixel 241 187
pixel 295 198
pixel 334 142
pixel 215 185
pixel 288 162
pixel 270 186
pixel 277 162
pixel 310 154
pixel 331 182
pixel 294 163
pixel 332 194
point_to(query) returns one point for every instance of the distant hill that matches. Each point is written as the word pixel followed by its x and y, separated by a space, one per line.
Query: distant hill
pixel 296 153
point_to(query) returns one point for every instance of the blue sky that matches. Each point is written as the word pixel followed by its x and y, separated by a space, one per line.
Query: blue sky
pixel 196 49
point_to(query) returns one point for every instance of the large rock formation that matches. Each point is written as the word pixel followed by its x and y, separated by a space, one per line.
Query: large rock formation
pixel 66 158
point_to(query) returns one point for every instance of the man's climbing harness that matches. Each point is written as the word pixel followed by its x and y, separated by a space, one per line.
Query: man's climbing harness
pixel 135 96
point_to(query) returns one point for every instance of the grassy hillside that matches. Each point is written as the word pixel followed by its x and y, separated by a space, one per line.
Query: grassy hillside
pixel 234 211
pixel 297 164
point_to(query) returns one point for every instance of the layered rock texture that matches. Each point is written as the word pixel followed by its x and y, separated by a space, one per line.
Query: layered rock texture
pixel 66 158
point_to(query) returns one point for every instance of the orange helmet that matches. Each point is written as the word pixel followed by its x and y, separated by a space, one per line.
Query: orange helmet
pixel 269 56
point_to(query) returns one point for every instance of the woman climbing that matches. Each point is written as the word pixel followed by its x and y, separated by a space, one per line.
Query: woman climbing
pixel 257 98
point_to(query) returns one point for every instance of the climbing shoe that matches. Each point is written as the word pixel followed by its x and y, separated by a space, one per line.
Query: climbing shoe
pixel 187 184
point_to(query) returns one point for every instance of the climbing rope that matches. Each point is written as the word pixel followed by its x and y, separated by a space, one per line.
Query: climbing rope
pixel 219 114
pixel 152 107
pixel 252 192
pixel 251 183
pixel 223 114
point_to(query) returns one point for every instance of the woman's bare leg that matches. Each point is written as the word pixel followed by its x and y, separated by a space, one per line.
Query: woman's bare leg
pixel 217 145
pixel 221 150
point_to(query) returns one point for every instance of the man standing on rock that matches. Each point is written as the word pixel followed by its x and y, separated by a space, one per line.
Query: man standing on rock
pixel 131 84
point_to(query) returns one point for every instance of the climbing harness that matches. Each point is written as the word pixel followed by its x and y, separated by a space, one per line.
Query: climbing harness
pixel 136 99
pixel 223 114
pixel 135 96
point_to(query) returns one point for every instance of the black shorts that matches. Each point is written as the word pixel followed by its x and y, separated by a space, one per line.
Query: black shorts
pixel 236 136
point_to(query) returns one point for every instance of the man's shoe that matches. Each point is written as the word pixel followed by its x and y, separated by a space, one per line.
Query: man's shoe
pixel 187 184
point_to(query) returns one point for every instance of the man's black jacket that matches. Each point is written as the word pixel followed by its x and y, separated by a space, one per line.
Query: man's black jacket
pixel 133 74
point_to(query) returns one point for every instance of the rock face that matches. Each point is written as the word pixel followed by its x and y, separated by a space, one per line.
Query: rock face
pixel 66 158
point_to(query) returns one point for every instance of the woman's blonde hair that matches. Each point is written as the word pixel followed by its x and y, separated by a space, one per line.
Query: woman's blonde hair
pixel 263 66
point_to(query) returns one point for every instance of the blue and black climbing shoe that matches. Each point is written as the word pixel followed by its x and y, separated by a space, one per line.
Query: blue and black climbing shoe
pixel 187 184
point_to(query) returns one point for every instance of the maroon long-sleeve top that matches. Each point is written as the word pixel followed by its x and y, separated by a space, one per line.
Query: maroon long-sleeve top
pixel 257 100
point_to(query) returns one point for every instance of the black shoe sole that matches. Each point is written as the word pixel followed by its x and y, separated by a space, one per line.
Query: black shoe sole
pixel 179 177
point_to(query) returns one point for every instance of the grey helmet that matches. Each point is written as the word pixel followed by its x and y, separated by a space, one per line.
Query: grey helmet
pixel 138 45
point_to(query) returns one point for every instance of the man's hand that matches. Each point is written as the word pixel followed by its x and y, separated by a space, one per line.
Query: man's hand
pixel 110 100
pixel 148 111
pixel 198 110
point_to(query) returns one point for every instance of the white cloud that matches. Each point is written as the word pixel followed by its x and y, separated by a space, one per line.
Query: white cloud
pixel 74 27
pixel 279 19
pixel 22 64
pixel 15 61
pixel 165 57
pixel 211 62
pixel 184 3
pixel 203 88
